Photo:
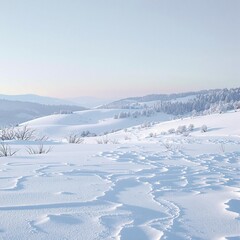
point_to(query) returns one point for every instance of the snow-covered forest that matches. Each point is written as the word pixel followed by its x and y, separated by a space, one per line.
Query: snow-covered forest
pixel 193 103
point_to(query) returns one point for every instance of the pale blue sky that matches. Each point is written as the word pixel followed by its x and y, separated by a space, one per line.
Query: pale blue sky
pixel 118 48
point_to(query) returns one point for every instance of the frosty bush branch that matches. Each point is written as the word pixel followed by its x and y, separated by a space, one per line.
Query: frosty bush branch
pixel 74 138
pixel 6 150
pixel 39 150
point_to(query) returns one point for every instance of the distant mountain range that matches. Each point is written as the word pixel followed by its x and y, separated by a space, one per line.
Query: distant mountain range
pixel 37 99
pixel 15 112
pixel 15 109
pixel 85 101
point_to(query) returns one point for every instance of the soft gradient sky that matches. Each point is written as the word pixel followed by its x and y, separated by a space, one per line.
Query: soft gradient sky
pixel 116 48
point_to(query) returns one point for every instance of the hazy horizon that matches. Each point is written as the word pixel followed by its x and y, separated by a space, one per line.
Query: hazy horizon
pixel 116 97
pixel 118 49
pixel 108 98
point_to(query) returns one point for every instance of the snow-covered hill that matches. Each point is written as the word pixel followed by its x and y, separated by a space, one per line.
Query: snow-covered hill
pixel 217 125
pixel 182 104
pixel 153 98
pixel 101 122
pixel 97 121
pixel 145 183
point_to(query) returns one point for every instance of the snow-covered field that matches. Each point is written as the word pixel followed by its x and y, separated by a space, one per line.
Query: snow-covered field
pixel 148 185
pixel 97 121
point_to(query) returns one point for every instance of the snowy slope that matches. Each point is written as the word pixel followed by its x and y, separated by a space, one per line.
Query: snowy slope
pixel 170 186
pixel 226 124
pixel 218 125
pixel 96 121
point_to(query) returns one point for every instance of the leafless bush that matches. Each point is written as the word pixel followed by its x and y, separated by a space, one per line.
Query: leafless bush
pixel 7 133
pixel 42 139
pixel 151 134
pixel 181 129
pixel 171 130
pixel 74 138
pixel 186 134
pixel 103 140
pixel 39 150
pixel 126 137
pixel 17 133
pixel 222 148
pixel 114 141
pixel 24 133
pixel 170 146
pixel 163 133
pixel 86 134
pixel 167 145
pixel 190 127
pixel 204 128
pixel 146 125
pixel 6 150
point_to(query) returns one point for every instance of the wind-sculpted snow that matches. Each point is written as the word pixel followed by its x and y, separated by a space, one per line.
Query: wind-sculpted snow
pixel 141 191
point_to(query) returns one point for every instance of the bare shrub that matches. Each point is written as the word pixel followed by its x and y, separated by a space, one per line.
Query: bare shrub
pixel 204 128
pixel 103 140
pixel 7 133
pixel 114 141
pixel 222 148
pixel 126 137
pixel 146 125
pixel 171 130
pixel 151 134
pixel 171 147
pixel 186 134
pixel 41 139
pixel 163 133
pixel 87 133
pixel 39 150
pixel 74 138
pixel 190 127
pixel 167 145
pixel 24 133
pixel 6 150
pixel 181 129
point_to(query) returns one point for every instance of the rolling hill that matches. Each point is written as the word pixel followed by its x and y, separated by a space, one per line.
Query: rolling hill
pixel 16 112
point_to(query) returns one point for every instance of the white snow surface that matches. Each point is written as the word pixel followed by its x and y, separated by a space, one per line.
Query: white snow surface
pixel 96 121
pixel 147 186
